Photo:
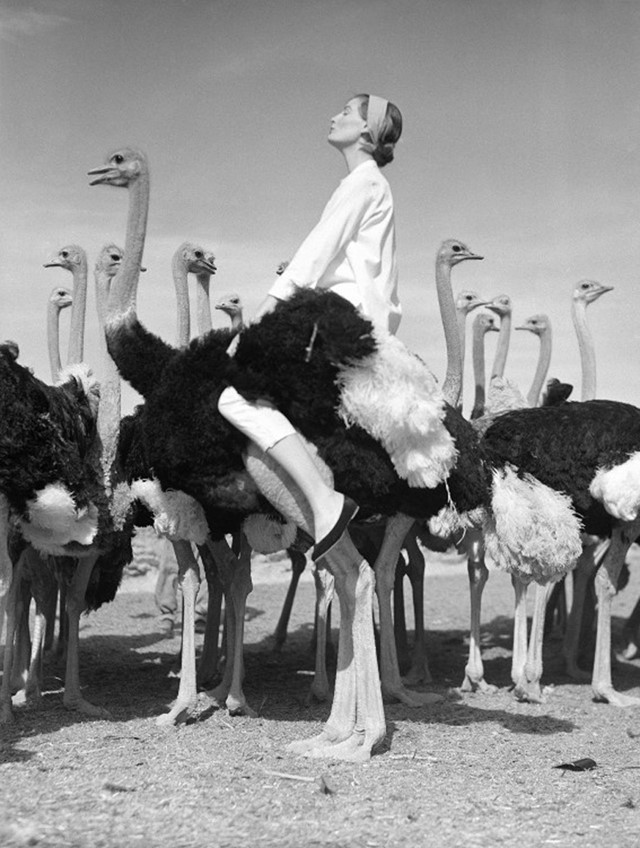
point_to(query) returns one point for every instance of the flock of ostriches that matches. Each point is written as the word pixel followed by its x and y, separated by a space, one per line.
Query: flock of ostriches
pixel 541 485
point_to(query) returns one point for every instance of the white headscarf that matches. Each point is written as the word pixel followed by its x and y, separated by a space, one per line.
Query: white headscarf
pixel 376 113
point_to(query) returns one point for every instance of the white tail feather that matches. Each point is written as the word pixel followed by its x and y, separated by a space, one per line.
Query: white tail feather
pixel 395 398
pixel 618 489
pixel 53 520
pixel 176 515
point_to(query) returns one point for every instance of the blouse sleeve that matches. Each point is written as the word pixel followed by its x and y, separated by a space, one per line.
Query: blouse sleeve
pixel 336 228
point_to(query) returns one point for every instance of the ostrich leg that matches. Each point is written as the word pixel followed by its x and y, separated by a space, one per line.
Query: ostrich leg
pixel 631 634
pixel 356 724
pixel 623 534
pixel 520 640
pixel 419 671
pixel 236 577
pixel 320 689
pixel 189 579
pixel 395 532
pixel 11 603
pixel 478 576
pixel 590 558
pixel 208 666
pixel 76 603
pixel 6 566
pixel 298 565
pixel 528 686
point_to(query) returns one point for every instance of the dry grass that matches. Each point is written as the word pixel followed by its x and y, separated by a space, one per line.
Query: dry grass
pixel 476 770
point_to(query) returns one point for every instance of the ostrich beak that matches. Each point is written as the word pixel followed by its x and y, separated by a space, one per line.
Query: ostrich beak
pixel 101 174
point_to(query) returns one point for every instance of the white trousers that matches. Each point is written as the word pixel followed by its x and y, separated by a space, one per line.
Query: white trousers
pixel 259 420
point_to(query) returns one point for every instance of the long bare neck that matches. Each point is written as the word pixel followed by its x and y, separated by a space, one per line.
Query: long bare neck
pixel 122 297
pixel 203 304
pixel 478 371
pixel 542 369
pixel 452 385
pixel 181 284
pixel 75 352
pixel 109 410
pixel 53 340
pixel 586 347
pixel 462 328
pixel 502 348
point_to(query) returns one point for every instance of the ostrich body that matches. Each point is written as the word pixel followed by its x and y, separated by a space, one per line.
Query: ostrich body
pixel 597 468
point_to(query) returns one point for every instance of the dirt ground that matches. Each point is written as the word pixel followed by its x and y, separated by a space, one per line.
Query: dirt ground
pixel 474 770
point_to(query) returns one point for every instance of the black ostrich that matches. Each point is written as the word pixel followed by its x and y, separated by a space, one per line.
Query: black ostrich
pixel 589 452
pixel 299 352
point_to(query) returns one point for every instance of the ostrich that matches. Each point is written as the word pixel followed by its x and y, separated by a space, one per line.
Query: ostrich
pixel 231 305
pixel 172 423
pixel 540 326
pixel 503 394
pixel 59 299
pixel 73 258
pixel 483 323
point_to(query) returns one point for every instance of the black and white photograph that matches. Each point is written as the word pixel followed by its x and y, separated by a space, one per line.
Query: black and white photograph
pixel 319 423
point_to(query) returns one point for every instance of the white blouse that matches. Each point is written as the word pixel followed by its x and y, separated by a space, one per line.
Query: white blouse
pixel 352 249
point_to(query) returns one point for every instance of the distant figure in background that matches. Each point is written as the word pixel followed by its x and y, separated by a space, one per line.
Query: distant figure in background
pixel 166 591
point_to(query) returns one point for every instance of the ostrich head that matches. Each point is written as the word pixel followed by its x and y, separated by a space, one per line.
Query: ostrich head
pixel 109 260
pixel 122 167
pixel 196 259
pixel 231 304
pixel 10 349
pixel 501 305
pixel 586 291
pixel 537 324
pixel 484 323
pixel 467 301
pixel 452 252
pixel 71 257
pixel 60 298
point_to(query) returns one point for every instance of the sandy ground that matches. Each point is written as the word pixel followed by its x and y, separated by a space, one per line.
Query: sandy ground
pixel 474 770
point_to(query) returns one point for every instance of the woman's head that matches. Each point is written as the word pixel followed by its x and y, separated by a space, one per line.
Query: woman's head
pixel 376 133
pixel 384 127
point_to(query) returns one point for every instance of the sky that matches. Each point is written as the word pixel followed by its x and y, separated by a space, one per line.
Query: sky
pixel 521 131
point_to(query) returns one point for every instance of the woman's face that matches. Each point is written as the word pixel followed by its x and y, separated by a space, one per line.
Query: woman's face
pixel 347 126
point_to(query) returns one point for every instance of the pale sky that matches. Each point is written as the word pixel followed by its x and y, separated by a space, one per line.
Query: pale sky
pixel 522 120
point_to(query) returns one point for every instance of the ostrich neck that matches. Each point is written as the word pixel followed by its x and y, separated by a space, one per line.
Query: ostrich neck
pixel 109 410
pixel 478 372
pixel 544 360
pixel 502 350
pixel 203 304
pixel 53 340
pixel 237 322
pixel 587 349
pixel 181 284
pixel 75 353
pixel 122 297
pixel 462 327
pixel 452 385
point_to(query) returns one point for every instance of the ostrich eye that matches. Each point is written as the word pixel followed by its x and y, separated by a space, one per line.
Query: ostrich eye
pixel 118 159
pixel 115 257
pixel 456 248
pixel 64 254
pixel 199 254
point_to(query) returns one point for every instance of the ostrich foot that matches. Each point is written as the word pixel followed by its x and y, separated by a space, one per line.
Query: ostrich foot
pixel 180 712
pixel 6 714
pixel 477 684
pixel 410 699
pixel 319 693
pixel 19 698
pixel 576 673
pixel 528 691
pixel 630 651
pixel 417 674
pixel 80 705
pixel 356 747
pixel 239 707
pixel 608 695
